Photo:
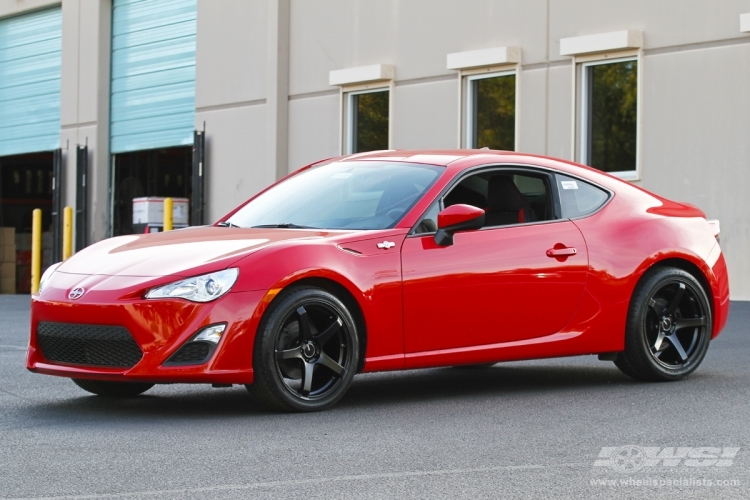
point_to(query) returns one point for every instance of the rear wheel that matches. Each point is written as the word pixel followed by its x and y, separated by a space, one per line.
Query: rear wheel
pixel 669 326
pixel 306 352
pixel 113 389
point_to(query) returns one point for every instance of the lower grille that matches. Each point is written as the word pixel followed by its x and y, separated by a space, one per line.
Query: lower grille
pixel 91 345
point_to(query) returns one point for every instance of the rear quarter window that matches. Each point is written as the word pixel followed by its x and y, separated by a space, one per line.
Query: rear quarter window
pixel 579 198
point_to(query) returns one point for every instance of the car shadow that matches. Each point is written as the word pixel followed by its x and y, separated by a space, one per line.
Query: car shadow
pixel 367 391
pixel 193 402
pixel 473 382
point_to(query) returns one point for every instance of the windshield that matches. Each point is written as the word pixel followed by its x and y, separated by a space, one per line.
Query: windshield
pixel 347 195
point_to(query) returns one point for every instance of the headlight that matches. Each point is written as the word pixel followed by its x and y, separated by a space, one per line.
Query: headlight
pixel 46 276
pixel 197 289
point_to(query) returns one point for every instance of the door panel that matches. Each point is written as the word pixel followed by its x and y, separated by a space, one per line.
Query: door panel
pixel 197 198
pixel 57 204
pixel 491 286
pixel 30 68
pixel 81 225
pixel 152 86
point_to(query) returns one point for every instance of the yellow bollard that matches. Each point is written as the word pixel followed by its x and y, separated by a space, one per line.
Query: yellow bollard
pixel 167 214
pixel 36 249
pixel 67 243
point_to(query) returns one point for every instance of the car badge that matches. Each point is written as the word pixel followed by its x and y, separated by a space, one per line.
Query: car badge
pixel 386 245
pixel 76 293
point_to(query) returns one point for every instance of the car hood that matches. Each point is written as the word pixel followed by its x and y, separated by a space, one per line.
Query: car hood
pixel 180 253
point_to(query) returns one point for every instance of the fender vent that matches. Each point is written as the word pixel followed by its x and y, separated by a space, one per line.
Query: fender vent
pixel 192 353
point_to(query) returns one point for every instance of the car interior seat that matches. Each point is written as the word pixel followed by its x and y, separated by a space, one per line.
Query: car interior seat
pixel 505 203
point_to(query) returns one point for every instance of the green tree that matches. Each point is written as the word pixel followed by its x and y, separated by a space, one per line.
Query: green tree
pixel 372 121
pixel 495 112
pixel 613 116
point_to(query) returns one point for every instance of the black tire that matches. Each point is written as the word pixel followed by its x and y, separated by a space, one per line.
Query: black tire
pixel 113 389
pixel 300 368
pixel 669 326
pixel 622 364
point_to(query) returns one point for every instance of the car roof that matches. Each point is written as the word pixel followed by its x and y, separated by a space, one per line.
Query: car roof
pixel 440 157
pixel 460 159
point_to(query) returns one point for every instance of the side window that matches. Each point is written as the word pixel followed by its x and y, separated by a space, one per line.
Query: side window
pixel 428 224
pixel 470 191
pixel 579 198
pixel 507 197
pixel 534 190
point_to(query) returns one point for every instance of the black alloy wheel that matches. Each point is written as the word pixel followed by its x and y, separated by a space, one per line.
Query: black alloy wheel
pixel 306 352
pixel 669 326
pixel 113 389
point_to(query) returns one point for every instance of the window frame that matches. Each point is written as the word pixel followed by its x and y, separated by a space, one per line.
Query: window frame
pixel 466 77
pixel 348 120
pixel 580 106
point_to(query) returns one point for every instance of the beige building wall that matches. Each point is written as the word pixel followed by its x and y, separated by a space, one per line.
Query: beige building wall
pixel 84 103
pixel 263 94
pixel 314 122
pixel 695 101
pixel 15 7
pixel 230 100
pixel 425 114
pixel 696 141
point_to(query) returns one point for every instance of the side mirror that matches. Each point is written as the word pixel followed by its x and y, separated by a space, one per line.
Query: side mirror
pixel 457 218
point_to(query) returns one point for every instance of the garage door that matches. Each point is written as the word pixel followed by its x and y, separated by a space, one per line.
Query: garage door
pixel 30 47
pixel 153 74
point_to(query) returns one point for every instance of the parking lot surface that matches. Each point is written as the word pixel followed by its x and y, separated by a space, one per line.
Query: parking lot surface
pixel 561 428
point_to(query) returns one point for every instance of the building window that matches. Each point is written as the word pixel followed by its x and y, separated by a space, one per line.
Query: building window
pixel 367 120
pixel 609 115
pixel 491 111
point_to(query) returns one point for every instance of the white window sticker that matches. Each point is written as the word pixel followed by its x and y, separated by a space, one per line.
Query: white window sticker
pixel 341 175
pixel 569 184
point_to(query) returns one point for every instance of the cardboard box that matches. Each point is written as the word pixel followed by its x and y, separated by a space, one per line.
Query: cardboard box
pixel 7 253
pixel 8 270
pixel 7 286
pixel 8 277
pixel 7 235
pixel 150 210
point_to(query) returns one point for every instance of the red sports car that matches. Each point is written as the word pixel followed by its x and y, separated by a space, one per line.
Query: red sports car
pixel 391 260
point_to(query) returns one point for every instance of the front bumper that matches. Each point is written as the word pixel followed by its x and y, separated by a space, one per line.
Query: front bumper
pixel 159 327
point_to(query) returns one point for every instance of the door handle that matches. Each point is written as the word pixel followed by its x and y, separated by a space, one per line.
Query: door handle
pixel 561 252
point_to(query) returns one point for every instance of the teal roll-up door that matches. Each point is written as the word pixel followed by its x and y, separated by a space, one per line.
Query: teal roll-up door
pixel 30 49
pixel 153 74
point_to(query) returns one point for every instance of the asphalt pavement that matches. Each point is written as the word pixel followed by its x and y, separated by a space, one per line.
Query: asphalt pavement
pixel 561 428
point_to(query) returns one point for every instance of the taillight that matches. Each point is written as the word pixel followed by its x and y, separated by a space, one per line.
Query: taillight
pixel 715 228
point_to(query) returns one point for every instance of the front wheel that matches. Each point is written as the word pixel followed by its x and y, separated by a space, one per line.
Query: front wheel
pixel 669 326
pixel 113 389
pixel 306 352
